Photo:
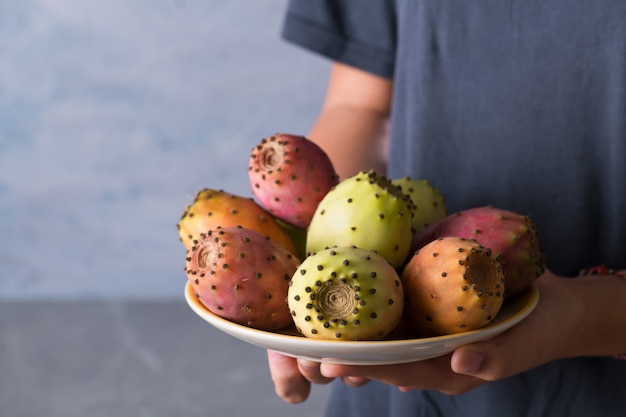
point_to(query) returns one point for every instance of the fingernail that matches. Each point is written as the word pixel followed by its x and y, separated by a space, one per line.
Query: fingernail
pixel 328 370
pixel 470 363
pixel 356 379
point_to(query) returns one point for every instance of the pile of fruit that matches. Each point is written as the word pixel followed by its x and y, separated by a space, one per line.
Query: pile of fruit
pixel 351 259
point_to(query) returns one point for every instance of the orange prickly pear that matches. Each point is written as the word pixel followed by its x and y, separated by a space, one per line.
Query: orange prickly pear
pixel 452 285
pixel 217 208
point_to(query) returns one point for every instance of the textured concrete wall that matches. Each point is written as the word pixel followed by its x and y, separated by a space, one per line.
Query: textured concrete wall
pixel 113 113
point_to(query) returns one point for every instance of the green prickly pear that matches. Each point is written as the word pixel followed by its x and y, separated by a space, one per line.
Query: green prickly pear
pixel 367 211
pixel 297 235
pixel 428 202
pixel 346 293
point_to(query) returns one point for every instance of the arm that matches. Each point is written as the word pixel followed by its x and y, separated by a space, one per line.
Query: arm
pixel 352 125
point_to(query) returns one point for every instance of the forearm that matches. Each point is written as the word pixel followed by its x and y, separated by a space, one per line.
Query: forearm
pixel 354 138
pixel 352 125
pixel 600 305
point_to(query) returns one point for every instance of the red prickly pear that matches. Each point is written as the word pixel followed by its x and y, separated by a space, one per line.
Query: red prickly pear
pixel 346 293
pixel 289 176
pixel 452 285
pixel 242 276
pixel 511 237
pixel 217 208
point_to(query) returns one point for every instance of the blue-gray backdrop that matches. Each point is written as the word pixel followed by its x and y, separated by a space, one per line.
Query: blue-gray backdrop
pixel 113 114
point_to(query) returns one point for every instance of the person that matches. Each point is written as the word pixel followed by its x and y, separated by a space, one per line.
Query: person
pixel 516 104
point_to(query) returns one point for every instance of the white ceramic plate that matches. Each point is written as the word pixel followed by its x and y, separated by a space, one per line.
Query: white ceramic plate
pixel 290 343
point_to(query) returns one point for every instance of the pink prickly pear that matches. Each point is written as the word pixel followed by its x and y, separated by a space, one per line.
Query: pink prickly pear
pixel 289 176
pixel 242 276
pixel 452 285
pixel 511 236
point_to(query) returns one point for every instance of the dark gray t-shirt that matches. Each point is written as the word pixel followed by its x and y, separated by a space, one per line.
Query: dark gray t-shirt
pixel 521 105
pixel 517 104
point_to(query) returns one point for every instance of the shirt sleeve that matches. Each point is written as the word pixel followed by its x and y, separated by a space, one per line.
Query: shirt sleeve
pixel 346 31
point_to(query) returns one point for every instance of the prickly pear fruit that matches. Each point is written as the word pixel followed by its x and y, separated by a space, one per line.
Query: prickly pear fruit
pixel 510 236
pixel 297 235
pixel 367 211
pixel 452 285
pixel 428 202
pixel 289 176
pixel 217 208
pixel 242 276
pixel 346 293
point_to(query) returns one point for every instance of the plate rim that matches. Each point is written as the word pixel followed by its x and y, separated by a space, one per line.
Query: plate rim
pixel 236 329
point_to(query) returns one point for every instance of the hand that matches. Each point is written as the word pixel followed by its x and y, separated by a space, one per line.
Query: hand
pixel 289 382
pixel 293 377
pixel 509 353
pixel 550 329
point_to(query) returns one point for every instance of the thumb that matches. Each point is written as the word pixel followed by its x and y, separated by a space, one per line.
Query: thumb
pixel 493 360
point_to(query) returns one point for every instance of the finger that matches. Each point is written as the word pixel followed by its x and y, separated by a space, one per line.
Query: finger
pixel 311 371
pixel 468 360
pixel 497 358
pixel 355 381
pixel 417 374
pixel 429 374
pixel 289 384
pixel 491 361
pixel 508 353
pixel 481 361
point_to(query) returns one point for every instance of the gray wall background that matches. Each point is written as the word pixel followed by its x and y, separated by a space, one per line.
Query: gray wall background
pixel 113 114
